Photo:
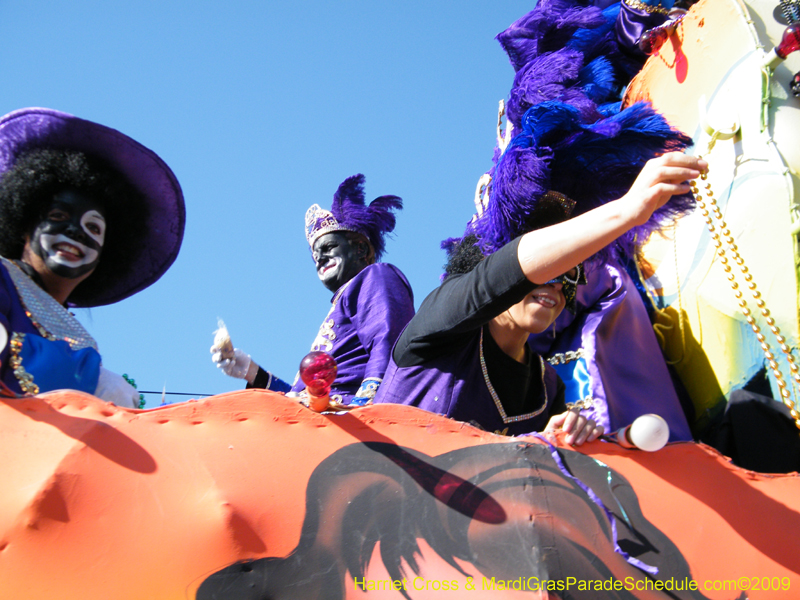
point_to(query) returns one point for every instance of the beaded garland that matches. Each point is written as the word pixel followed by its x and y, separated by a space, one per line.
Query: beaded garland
pixel 648 8
pixel 708 207
pixel 567 357
pixel 24 378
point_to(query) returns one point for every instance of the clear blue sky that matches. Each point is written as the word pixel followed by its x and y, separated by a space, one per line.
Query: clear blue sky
pixel 261 109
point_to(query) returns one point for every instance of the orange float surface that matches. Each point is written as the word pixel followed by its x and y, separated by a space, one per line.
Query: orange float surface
pixel 104 502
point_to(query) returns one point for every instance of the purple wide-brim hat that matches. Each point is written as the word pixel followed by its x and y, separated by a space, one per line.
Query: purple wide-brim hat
pixel 31 128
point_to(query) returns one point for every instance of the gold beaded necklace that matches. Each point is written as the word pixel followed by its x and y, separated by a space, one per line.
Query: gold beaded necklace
pixel 719 232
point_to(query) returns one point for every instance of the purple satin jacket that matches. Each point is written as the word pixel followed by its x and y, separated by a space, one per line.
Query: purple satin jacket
pixel 623 368
pixel 367 315
pixel 454 385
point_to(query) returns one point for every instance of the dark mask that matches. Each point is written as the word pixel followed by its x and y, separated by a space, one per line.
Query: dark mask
pixel 70 236
pixel 569 286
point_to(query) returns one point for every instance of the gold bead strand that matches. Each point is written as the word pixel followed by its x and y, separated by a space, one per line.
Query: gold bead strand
pixel 706 210
pixel 748 277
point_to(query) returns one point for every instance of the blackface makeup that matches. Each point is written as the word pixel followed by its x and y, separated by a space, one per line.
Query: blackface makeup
pixel 70 236
pixel 336 259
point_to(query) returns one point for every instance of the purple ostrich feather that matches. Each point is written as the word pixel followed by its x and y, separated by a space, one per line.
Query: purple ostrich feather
pixel 592 163
pixel 547 28
pixel 570 133
pixel 373 221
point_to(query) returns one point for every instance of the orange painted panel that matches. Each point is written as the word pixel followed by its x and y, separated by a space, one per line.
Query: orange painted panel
pixel 104 502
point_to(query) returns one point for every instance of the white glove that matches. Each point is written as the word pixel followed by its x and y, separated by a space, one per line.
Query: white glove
pixel 113 388
pixel 232 367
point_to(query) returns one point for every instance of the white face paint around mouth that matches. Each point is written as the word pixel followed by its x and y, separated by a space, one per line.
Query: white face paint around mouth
pixel 329 265
pixel 67 252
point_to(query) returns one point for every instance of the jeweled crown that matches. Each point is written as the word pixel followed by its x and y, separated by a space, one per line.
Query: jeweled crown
pixel 319 222
pixel 349 212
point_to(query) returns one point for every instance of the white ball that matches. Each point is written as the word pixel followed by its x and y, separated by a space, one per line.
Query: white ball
pixel 3 338
pixel 649 432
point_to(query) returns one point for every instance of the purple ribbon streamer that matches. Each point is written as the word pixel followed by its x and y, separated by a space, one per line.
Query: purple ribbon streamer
pixel 651 570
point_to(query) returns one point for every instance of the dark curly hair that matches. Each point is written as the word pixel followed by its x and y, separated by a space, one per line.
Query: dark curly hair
pixel 463 255
pixel 28 188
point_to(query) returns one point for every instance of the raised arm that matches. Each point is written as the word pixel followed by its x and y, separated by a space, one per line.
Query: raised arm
pixel 547 253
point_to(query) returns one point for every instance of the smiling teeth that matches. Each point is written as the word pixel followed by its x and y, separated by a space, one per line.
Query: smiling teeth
pixel 545 301
pixel 68 249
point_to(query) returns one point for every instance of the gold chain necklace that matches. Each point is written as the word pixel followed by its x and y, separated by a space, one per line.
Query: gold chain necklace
pixel 720 232
pixel 496 398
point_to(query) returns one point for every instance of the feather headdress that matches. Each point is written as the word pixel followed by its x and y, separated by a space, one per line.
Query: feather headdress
pixel 349 212
pixel 569 132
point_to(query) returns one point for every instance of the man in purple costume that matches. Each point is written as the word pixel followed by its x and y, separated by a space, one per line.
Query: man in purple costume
pixel 371 304
pixel 465 354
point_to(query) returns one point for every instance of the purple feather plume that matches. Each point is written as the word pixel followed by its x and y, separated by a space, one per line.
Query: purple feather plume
pixel 547 28
pixel 570 134
pixel 373 221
